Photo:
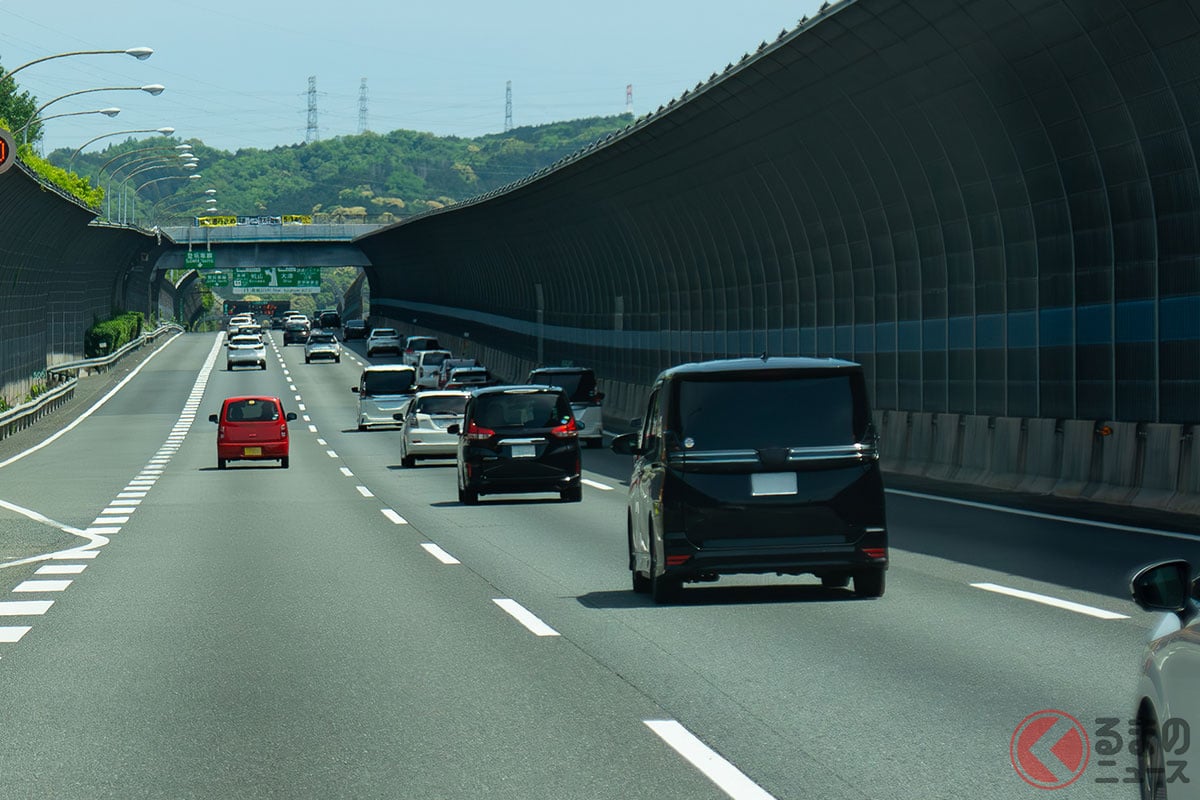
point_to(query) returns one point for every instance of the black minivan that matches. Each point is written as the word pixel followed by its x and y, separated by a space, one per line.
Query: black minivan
pixel 756 465
pixel 518 439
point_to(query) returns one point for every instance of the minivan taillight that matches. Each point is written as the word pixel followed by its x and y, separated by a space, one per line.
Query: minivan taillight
pixel 283 431
pixel 568 431
pixel 476 433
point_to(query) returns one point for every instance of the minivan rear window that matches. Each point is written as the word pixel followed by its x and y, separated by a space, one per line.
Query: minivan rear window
pixel 580 386
pixel 399 382
pixel 754 412
pixel 522 410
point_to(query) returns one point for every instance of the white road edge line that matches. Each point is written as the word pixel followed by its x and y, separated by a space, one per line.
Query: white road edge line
pixel 524 616
pixel 440 554
pixel 728 778
pixel 596 485
pixel 1116 526
pixel 1078 608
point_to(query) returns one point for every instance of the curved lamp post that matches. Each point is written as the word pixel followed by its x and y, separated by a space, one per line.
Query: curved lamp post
pixel 133 201
pixel 140 53
pixel 163 131
pixel 153 89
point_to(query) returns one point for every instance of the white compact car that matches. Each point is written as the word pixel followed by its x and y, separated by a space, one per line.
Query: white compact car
pixel 322 345
pixel 1168 698
pixel 245 351
pixel 383 340
pixel 425 422
pixel 384 391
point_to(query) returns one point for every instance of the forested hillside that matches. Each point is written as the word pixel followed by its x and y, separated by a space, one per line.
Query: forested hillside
pixel 373 175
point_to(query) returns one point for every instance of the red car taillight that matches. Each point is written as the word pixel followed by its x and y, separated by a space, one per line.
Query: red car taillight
pixel 220 432
pixel 475 433
pixel 568 431
pixel 875 552
pixel 283 431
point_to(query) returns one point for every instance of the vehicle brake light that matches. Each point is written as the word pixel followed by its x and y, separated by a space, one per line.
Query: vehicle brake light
pixel 568 431
pixel 476 433
pixel 875 552
pixel 675 561
pixel 283 431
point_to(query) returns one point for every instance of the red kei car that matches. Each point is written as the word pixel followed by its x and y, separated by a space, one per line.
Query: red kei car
pixel 252 429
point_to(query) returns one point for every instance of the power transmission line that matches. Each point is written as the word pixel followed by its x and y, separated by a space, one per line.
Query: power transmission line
pixel 508 122
pixel 362 106
pixel 313 133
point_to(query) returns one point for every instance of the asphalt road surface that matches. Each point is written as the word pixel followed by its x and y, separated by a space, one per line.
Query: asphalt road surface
pixel 345 628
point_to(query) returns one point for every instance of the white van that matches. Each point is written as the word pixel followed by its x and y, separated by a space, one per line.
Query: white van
pixel 383 391
pixel 429 367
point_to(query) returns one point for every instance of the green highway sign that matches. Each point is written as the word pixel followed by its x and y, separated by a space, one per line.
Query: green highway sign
pixel 277 280
pixel 217 278
pixel 198 259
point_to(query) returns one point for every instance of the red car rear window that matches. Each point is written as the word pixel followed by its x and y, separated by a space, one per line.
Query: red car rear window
pixel 251 411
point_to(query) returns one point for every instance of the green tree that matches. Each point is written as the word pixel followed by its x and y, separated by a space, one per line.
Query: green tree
pixel 16 108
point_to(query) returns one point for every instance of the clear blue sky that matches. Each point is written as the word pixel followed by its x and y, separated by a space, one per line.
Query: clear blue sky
pixel 237 73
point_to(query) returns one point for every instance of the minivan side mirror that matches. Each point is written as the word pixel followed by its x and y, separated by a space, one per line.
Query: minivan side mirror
pixel 627 444
pixel 291 415
pixel 354 389
pixel 1163 587
pixel 454 429
pixel 213 418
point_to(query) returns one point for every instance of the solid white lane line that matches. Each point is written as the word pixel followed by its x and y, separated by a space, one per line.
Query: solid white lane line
pixel 525 617
pixel 393 516
pixel 42 586
pixel 60 569
pixel 364 491
pixel 1187 537
pixel 11 634
pixel 346 471
pixel 440 554
pixel 36 517
pixel 103 530
pixel 1047 600
pixel 728 778
pixel 24 608
pixel 331 453
pixel 595 485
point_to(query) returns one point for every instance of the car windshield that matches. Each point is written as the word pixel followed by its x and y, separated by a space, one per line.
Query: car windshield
pixel 753 412
pixel 390 382
pixel 442 404
pixel 522 410
pixel 251 411
pixel 322 338
pixel 580 386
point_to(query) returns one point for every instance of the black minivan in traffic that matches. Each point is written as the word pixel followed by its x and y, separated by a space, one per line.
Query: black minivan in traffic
pixel 518 439
pixel 756 465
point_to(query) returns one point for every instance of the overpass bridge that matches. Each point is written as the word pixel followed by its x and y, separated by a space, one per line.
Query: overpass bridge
pixel 992 206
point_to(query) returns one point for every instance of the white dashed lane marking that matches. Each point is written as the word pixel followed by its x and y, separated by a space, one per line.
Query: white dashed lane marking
pixel 60 569
pixel 24 608
pixel 725 775
pixel 346 471
pixel 364 491
pixel 1047 600
pixel 440 554
pixel 525 617
pixel 11 634
pixel 596 485
pixel 393 516
pixel 42 586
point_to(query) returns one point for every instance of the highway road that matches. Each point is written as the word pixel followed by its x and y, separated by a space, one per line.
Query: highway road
pixel 345 628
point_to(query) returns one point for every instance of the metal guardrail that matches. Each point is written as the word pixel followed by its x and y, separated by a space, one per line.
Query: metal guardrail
pixel 26 414
pixel 112 358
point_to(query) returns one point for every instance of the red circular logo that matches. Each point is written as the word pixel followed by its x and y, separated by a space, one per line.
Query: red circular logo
pixel 1050 749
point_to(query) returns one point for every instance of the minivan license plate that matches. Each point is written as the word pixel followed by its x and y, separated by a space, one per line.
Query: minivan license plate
pixel 252 451
pixel 523 451
pixel 766 484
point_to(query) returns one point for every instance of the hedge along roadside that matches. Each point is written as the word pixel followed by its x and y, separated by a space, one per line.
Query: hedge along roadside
pixel 112 334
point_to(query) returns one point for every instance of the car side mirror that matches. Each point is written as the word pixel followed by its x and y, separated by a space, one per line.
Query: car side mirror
pixel 213 418
pixel 291 415
pixel 354 389
pixel 626 444
pixel 580 425
pixel 399 417
pixel 454 429
pixel 1163 587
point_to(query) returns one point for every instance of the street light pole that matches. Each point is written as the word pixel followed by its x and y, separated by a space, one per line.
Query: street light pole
pixel 153 89
pixel 140 53
pixel 163 131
